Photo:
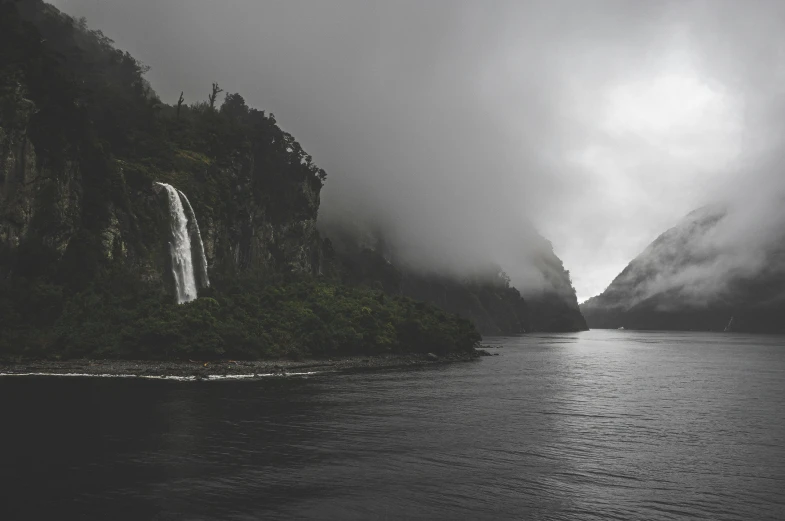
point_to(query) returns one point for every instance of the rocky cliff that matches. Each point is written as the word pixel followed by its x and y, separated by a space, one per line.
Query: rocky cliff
pixel 42 207
pixel 82 143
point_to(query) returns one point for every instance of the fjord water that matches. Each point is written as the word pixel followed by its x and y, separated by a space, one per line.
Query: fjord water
pixel 592 425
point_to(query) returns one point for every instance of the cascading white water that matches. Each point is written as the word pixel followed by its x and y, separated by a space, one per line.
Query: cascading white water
pixel 180 248
pixel 200 244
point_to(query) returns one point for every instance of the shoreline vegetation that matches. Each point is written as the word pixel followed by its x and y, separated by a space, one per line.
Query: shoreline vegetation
pixel 227 369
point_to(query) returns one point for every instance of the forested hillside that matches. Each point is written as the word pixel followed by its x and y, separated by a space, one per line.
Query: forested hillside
pixel 85 235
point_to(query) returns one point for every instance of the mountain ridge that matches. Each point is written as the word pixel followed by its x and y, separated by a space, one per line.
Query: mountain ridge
pixel 699 275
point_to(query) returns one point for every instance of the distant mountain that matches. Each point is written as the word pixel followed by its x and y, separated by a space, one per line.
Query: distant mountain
pixel 485 296
pixel 722 267
pixel 553 305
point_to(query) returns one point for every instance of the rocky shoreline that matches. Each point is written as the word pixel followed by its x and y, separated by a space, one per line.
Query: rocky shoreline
pixel 224 369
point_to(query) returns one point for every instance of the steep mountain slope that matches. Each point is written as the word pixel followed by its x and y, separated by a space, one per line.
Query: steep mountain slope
pixel 86 267
pixel 718 263
pixel 84 139
pixel 485 296
pixel 553 303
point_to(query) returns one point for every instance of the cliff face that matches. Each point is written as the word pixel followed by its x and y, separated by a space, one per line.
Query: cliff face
pixel 714 266
pixel 83 140
pixel 238 230
pixel 42 207
pixel 91 242
pixel 552 302
pixel 30 194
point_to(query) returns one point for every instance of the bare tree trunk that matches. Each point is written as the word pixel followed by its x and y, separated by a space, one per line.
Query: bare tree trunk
pixel 214 94
pixel 180 104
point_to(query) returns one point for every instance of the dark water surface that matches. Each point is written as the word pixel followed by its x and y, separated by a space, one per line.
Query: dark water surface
pixel 595 425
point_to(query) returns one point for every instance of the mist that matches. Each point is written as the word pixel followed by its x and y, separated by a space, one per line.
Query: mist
pixel 457 127
pixel 702 261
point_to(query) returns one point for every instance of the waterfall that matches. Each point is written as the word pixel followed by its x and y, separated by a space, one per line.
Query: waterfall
pixel 180 248
pixel 200 244
pixel 729 327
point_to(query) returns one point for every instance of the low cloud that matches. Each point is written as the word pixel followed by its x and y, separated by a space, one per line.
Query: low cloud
pixel 454 125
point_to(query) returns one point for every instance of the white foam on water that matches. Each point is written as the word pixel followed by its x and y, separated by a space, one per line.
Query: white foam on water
pixel 211 377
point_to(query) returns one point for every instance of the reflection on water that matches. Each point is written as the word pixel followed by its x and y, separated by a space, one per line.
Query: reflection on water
pixel 595 425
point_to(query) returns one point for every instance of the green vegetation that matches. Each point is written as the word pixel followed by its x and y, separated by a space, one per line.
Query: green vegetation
pixel 83 235
pixel 244 318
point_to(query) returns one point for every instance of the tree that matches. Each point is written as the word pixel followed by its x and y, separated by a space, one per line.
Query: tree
pixel 234 106
pixel 214 94
pixel 180 104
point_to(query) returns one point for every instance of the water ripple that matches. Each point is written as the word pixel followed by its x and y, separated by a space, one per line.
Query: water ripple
pixel 596 425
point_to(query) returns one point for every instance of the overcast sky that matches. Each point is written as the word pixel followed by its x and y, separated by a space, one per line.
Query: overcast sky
pixel 604 122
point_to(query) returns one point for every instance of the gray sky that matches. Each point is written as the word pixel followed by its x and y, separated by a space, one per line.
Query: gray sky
pixel 452 122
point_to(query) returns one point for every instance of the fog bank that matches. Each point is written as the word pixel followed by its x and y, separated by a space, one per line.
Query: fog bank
pixel 453 124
